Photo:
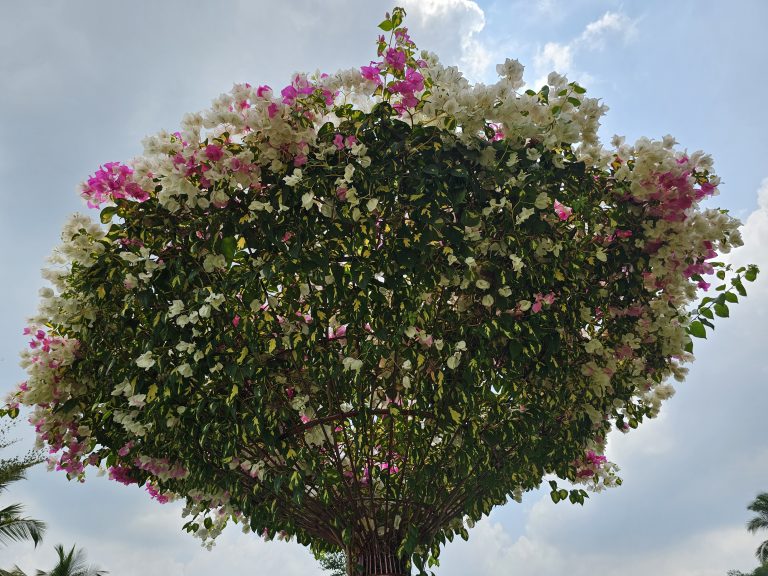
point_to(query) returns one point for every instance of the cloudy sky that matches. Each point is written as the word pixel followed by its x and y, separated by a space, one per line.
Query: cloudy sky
pixel 83 81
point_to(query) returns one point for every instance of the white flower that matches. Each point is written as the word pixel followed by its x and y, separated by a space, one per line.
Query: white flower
pixel 461 345
pixel 533 154
pixel 517 263
pixel 542 201
pixel 130 282
pixel 307 200
pixel 259 206
pixel 184 370
pixel 215 300
pixel 525 213
pixel 407 365
pixel 145 361
pixel 512 70
pixel 505 291
pixel 524 305
pixel 294 178
pixel 483 284
pixel 214 261
pixel 371 204
pixel 487 300
pixel 350 363
pixel 137 400
pixel 205 311
pixel 454 361
pixel 123 389
pixel 594 346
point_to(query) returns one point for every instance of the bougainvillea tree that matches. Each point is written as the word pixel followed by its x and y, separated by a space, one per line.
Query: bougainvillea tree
pixel 361 310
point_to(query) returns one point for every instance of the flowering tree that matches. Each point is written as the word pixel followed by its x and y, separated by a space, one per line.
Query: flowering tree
pixel 363 311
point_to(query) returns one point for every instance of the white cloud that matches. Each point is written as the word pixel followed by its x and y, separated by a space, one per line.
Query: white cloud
pixel 445 25
pixel 594 34
pixel 554 56
pixel 755 235
pixel 491 551
pixel 560 56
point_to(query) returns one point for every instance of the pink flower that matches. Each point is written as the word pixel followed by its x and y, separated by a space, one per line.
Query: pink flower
pixel 155 493
pixel 263 91
pixel 272 110
pixel 341 193
pixel 371 73
pixel 136 192
pixel 540 300
pixel 395 58
pixel 236 321
pixel 338 141
pixel 121 474
pixel 111 182
pixel 289 94
pixel 563 212
pixel 213 152
pixel 340 332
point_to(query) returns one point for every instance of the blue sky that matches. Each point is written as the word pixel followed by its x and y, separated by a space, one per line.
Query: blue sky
pixel 84 81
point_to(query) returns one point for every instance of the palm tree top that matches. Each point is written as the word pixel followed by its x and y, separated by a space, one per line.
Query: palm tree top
pixel 760 522
pixel 72 563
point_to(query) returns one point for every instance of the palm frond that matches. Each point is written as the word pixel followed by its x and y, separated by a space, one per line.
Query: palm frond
pixel 757 523
pixel 760 504
pixel 762 552
pixel 72 563
pixel 14 528
pixel 16 571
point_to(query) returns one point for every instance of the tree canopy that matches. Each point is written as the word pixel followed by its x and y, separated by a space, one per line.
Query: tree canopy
pixel 363 311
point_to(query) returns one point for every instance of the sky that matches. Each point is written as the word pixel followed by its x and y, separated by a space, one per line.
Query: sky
pixel 83 81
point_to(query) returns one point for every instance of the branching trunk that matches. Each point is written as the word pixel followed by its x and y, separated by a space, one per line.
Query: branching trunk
pixel 376 562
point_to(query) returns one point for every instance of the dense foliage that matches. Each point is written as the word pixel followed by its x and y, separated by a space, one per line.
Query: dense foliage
pixel 365 310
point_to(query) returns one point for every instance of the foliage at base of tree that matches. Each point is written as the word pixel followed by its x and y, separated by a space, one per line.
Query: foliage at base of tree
pixel 333 562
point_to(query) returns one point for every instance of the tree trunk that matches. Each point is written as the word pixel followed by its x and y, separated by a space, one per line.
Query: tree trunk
pixel 376 563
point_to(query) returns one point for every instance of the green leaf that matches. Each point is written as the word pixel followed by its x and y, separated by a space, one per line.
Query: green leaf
pixel 751 273
pixel 386 25
pixel 228 247
pixel 721 310
pixel 574 101
pixel 731 297
pixel 397 17
pixel 107 214
pixel 736 283
pixel 696 329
